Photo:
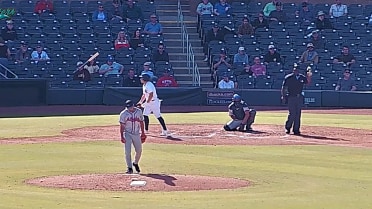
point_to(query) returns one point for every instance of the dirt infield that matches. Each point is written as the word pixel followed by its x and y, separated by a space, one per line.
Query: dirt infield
pixel 195 134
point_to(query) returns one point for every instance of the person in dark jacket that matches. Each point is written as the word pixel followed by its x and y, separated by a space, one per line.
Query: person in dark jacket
pixel 321 22
pixel 160 54
pixel 81 74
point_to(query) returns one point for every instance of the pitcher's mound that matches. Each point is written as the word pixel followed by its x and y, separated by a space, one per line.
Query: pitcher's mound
pixel 152 182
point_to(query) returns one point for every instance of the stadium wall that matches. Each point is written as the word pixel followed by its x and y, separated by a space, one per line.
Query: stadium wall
pixel 35 92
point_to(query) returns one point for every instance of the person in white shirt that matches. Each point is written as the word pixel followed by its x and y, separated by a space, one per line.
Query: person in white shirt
pixel 39 54
pixel 151 103
pixel 204 8
pixel 338 9
pixel 226 83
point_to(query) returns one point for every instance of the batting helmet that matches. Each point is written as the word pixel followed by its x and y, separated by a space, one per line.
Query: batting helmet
pixel 236 98
pixel 145 77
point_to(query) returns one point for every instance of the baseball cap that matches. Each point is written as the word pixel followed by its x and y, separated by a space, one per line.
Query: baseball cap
pixel 304 4
pixel 147 63
pixel 9 22
pixel 223 51
pixel 110 58
pixel 310 45
pixel 79 63
pixel 129 103
pixel 241 48
pixel 278 3
pixel 271 47
pixel 215 25
pixel 320 13
pixel 314 31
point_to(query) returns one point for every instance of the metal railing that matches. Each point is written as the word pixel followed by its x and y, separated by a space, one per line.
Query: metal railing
pixel 187 48
pixel 5 72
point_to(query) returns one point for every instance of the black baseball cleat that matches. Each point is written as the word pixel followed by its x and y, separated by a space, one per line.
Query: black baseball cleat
pixel 297 133
pixel 129 171
pixel 136 166
pixel 249 129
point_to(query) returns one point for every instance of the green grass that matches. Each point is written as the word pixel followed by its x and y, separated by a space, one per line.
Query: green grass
pixel 288 177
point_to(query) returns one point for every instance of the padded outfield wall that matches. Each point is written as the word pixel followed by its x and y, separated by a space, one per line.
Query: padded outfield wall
pixel 32 92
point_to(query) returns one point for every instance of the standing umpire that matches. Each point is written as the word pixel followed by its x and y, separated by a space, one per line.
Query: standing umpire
pixel 292 95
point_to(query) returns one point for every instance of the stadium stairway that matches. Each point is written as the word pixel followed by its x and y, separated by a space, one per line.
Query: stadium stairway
pixel 168 17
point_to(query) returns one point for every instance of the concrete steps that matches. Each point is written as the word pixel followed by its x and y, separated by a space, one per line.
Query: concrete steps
pixel 168 17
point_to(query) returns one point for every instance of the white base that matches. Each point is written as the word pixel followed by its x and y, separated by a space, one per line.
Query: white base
pixel 138 183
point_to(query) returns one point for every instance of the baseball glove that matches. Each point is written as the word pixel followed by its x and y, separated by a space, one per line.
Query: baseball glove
pixel 143 138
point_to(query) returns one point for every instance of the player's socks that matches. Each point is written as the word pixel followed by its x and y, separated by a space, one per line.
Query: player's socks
pixel 147 121
pixel 162 123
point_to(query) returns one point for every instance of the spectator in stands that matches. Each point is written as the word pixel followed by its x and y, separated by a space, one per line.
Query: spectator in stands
pixel 116 11
pixel 245 28
pixel 305 14
pixel 100 14
pixel 278 14
pixel 39 54
pixel 8 33
pixel 121 41
pixel 345 57
pixel 269 7
pixel 42 6
pixel 321 22
pixel 213 34
pixel 222 62
pixel 131 80
pixel 241 57
pixel 132 12
pixel 300 7
pixel 310 56
pixel 4 53
pixel 204 8
pixel 111 67
pixel 147 70
pixel 160 54
pixel 338 9
pixel 22 53
pixel 81 74
pixel 166 80
pixel 272 55
pixel 346 83
pixel 258 68
pixel 137 40
pixel 246 70
pixel 153 27
pixel 260 21
pixel 226 83
pixel 92 67
pixel 317 40
pixel 222 8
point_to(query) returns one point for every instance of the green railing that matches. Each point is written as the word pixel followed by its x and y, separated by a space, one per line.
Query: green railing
pixel 187 48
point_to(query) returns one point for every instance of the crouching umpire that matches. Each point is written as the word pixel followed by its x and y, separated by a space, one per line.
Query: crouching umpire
pixel 242 116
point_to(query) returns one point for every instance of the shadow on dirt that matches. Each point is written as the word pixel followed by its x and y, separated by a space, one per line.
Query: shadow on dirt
pixel 167 179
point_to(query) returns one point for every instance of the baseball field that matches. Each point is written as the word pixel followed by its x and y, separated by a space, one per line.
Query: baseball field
pixel 77 162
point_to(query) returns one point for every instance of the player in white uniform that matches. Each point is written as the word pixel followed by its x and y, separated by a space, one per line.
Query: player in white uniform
pixel 131 123
pixel 151 103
